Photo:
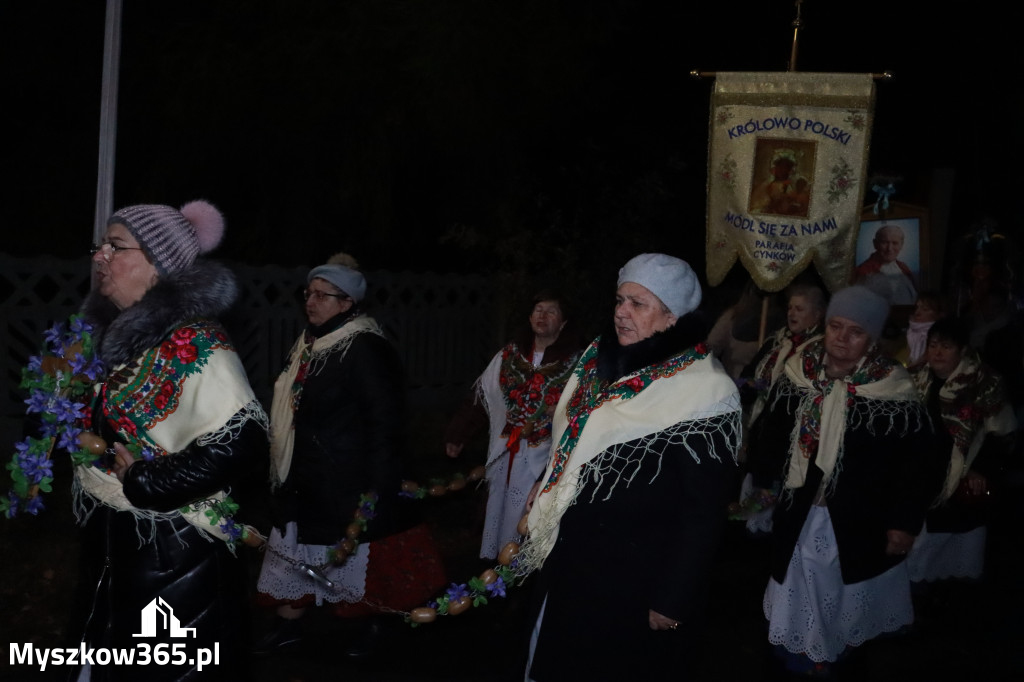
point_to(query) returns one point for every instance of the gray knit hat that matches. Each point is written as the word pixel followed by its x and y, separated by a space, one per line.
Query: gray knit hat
pixel 347 279
pixel 171 238
pixel 861 305
pixel 667 277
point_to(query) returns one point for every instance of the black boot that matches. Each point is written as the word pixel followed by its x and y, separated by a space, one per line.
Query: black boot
pixel 285 634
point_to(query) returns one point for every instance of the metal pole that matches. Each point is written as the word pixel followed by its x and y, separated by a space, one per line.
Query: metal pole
pixel 797 25
pixel 108 119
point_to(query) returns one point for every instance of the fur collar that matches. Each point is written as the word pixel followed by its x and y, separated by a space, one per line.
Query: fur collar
pixel 615 361
pixel 204 290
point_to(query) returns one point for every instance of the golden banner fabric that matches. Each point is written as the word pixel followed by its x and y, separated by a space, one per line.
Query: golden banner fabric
pixel 787 161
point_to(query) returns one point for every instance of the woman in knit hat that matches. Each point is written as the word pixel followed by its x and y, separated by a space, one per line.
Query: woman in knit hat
pixel 848 449
pixel 630 508
pixel 338 422
pixel 164 507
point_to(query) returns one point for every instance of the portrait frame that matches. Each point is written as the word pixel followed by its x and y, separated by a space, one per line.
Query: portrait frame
pixel 916 252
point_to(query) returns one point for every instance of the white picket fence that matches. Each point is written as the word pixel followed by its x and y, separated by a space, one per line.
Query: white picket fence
pixel 445 326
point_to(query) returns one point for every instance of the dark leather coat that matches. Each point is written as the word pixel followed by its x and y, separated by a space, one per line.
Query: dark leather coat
pixel 127 562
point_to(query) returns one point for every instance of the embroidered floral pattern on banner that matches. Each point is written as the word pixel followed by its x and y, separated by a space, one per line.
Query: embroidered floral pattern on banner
pixel 787 164
pixel 531 394
pixel 593 392
pixel 145 392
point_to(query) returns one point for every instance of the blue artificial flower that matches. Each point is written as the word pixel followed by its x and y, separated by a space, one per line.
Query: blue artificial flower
pixel 147 454
pixel 497 588
pixel 77 363
pixel 48 429
pixel 55 335
pixel 23 447
pixel 39 401
pixel 93 369
pixel 456 592
pixel 12 504
pixel 35 466
pixel 34 505
pixel 69 439
pixel 79 326
pixel 66 410
pixel 231 529
pixel 35 363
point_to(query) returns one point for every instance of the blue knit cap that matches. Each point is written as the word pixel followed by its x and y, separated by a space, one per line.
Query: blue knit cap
pixel 345 278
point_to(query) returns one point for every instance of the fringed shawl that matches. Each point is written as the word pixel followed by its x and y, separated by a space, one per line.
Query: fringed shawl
pixel 823 411
pixel 686 395
pixel 973 404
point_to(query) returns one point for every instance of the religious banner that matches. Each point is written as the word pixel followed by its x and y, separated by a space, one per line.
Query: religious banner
pixel 787 162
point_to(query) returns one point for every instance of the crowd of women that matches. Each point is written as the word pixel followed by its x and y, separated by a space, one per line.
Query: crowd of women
pixel 622 453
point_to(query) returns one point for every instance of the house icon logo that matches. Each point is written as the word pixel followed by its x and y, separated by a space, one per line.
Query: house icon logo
pixel 158 615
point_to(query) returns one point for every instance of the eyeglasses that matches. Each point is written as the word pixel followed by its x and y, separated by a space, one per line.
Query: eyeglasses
pixel 319 296
pixel 110 250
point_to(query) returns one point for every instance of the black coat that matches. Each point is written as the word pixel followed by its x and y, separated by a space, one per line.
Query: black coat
pixel 650 545
pixel 891 472
pixel 350 430
pixel 127 562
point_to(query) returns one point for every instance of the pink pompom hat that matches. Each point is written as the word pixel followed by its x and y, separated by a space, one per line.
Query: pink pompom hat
pixel 173 238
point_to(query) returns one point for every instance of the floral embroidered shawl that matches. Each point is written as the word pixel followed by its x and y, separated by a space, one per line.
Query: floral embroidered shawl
pixel 973 404
pixel 191 387
pixel 822 412
pixel 594 415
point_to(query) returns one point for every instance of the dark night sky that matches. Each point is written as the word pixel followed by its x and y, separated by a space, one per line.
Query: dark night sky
pixel 461 135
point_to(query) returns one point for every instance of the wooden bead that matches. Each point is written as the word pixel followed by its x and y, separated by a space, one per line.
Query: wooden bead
pixel 459 605
pixel 92 443
pixel 253 539
pixel 423 614
pixel 489 576
pixel 508 553
pixel 51 364
pixel 476 473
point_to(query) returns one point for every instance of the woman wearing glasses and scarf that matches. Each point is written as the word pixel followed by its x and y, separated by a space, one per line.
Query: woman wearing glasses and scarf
pixel 337 438
pixel 848 448
pixel 187 439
